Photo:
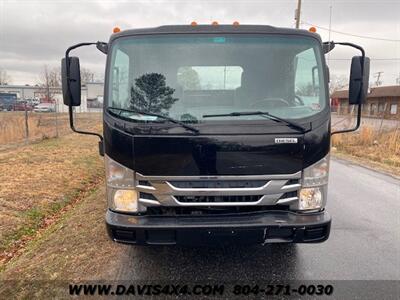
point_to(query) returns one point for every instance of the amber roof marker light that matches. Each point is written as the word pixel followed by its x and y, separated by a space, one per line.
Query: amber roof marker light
pixel 214 23
pixel 312 29
pixel 235 23
pixel 193 23
pixel 116 29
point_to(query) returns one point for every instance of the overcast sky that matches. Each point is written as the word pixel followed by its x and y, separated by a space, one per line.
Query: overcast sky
pixel 36 33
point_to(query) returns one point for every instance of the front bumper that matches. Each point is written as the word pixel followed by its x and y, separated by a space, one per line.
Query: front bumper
pixel 260 227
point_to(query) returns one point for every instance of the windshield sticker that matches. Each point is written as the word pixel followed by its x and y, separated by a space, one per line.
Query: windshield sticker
pixel 219 39
pixel 315 106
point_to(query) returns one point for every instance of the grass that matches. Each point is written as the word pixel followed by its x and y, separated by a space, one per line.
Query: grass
pixel 38 181
pixel 381 148
pixel 38 217
pixel 73 249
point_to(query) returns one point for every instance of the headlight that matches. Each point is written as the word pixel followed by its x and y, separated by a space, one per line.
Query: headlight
pixel 125 201
pixel 121 192
pixel 312 195
pixel 310 198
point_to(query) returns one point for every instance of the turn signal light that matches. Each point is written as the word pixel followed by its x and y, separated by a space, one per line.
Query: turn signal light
pixel 312 29
pixel 116 29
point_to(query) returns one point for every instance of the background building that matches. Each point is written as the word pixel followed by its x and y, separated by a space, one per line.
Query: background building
pixel 382 102
pixel 92 95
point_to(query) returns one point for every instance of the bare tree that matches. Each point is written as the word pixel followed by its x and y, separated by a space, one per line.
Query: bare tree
pixel 337 83
pixel 4 77
pixel 86 75
pixel 306 90
pixel 50 78
pixel 50 83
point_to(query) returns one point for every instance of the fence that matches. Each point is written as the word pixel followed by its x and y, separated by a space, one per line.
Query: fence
pixel 21 127
pixel 343 121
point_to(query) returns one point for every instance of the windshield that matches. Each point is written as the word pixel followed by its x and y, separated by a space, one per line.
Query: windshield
pixel 188 76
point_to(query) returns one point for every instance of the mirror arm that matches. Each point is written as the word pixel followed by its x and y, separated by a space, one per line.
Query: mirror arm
pixel 332 44
pixel 70 109
pixel 357 124
pixel 359 110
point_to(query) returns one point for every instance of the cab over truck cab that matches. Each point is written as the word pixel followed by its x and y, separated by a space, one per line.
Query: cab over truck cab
pixel 216 133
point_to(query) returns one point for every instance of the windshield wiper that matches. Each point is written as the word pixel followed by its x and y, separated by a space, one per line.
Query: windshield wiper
pixel 261 113
pixel 172 120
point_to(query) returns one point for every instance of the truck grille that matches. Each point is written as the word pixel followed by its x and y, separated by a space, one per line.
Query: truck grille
pixel 218 191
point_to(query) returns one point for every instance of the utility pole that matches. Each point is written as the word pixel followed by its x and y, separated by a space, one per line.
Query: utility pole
pixel 378 76
pixel 329 34
pixel 297 14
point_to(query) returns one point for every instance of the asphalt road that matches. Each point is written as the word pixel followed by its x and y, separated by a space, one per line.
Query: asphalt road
pixel 364 242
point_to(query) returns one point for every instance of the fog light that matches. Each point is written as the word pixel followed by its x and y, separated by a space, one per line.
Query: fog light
pixel 126 200
pixel 310 198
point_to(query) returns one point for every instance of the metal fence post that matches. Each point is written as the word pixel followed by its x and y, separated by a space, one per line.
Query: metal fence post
pixel 382 117
pixel 56 112
pixel 26 124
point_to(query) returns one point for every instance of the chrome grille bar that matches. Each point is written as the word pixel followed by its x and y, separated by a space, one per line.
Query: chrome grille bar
pixel 167 192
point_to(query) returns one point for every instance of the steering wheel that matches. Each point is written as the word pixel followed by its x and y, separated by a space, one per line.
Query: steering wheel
pixel 270 102
pixel 299 100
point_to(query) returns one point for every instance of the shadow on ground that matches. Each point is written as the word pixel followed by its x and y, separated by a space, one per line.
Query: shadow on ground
pixel 244 262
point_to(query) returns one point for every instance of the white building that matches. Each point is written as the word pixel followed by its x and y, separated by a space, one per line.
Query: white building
pixel 91 94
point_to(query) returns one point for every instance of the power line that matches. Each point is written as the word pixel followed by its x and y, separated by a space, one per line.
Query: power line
pixel 351 34
pixel 394 58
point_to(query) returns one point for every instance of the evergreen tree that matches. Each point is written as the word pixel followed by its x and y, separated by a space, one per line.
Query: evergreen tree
pixel 151 94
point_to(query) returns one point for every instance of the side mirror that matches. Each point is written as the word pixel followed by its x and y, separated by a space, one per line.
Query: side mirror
pixel 71 81
pixel 359 78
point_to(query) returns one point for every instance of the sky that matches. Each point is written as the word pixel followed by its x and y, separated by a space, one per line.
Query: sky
pixel 36 33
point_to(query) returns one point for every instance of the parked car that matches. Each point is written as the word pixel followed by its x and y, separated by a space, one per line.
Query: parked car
pixel 44 107
pixel 32 101
pixel 22 106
